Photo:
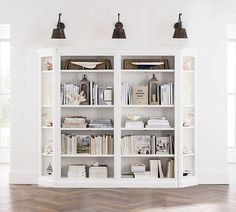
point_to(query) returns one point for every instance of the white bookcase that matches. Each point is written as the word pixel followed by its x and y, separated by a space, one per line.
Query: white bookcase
pixel 181 115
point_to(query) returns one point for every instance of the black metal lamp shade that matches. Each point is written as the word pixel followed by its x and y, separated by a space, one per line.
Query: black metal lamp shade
pixel 59 33
pixel 119 32
pixel 180 32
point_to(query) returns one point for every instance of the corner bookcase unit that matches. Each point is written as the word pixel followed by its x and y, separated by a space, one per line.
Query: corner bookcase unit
pixel 59 68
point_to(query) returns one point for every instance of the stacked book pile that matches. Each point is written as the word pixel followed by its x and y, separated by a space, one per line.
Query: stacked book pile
pixel 100 123
pixel 86 144
pixel 74 122
pixel 134 124
pixel 156 169
pixel 147 144
pixel 77 171
pixel 139 171
pixel 126 94
pixel 167 94
pixel 98 171
pixel 157 122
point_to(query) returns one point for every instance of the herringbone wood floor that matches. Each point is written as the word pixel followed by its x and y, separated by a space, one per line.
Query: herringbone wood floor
pixel 23 198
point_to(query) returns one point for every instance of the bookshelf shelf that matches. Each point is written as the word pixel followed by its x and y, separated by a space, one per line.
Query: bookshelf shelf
pixel 188 128
pixel 46 127
pixel 188 155
pixel 121 81
pixel 147 71
pixel 148 156
pixel 87 71
pixel 87 106
pixel 87 129
pixel 47 72
pixel 147 129
pixel 189 71
pixel 47 155
pixel 86 156
pixel 147 106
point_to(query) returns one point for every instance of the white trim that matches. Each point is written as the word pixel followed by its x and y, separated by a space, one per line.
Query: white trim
pixel 231 155
pixel 213 178
pixel 23 177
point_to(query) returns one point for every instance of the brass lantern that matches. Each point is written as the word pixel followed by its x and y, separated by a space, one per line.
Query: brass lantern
pixel 84 87
pixel 153 91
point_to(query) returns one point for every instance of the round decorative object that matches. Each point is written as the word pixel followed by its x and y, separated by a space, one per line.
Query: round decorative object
pixel 153 91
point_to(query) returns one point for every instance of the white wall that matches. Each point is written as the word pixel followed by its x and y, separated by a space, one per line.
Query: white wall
pixel 147 24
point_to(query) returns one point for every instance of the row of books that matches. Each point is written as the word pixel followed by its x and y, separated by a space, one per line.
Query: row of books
pixel 156 169
pixel 68 93
pixel 166 94
pixel 98 95
pixel 147 144
pixel 86 144
pixel 138 95
pixel 126 94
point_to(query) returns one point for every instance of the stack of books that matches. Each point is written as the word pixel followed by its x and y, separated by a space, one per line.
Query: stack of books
pixel 74 122
pixel 139 171
pixel 147 144
pixel 134 124
pixel 126 94
pixel 86 144
pixel 101 123
pixel 77 171
pixel 157 122
pixel 98 171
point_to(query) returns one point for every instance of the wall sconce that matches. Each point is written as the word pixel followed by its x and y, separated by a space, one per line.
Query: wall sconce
pixel 119 32
pixel 180 32
pixel 59 33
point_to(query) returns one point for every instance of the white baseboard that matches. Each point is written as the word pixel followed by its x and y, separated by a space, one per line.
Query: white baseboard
pixel 31 177
pixel 213 178
pixel 23 177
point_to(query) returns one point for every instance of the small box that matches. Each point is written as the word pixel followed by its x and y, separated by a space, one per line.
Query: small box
pixel 139 167
pixel 98 172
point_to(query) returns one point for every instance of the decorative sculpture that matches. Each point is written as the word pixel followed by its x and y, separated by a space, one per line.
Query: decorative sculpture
pixel 76 98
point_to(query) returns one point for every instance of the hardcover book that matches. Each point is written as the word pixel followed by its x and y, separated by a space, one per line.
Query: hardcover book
pixel 140 95
pixel 142 144
pixel 83 144
pixel 162 145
